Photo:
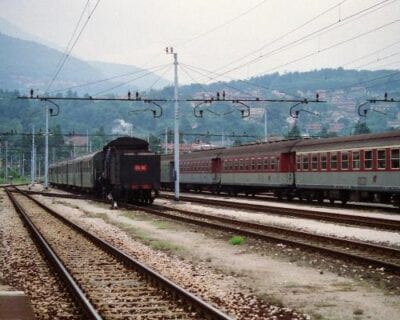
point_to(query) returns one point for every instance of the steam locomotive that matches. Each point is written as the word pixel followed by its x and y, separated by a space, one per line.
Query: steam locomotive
pixel 124 170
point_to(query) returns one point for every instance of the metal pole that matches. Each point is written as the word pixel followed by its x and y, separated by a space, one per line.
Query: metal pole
pixel 23 164
pixel 33 160
pixel 1 157
pixel 87 141
pixel 176 138
pixel 166 141
pixel 46 151
pixel 6 172
pixel 265 126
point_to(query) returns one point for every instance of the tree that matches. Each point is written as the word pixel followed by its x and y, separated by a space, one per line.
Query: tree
pixel 294 132
pixel 361 128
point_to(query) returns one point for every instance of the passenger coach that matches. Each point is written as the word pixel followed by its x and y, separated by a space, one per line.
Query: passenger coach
pixel 361 168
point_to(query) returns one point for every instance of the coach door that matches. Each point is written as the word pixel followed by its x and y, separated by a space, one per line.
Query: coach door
pixel 216 165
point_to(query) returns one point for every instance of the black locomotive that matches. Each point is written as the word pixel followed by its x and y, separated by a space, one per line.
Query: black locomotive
pixel 124 170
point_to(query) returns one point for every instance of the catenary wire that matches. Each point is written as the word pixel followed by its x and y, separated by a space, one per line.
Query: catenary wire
pixel 279 38
pixel 66 56
pixel 183 43
pixel 129 81
pixel 70 40
pixel 109 78
pixel 331 46
pixel 317 33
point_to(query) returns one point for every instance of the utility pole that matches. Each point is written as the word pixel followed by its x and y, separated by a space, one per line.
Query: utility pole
pixel 176 124
pixel 265 125
pixel 33 160
pixel 87 140
pixel 6 171
pixel 46 150
pixel 23 164
pixel 166 141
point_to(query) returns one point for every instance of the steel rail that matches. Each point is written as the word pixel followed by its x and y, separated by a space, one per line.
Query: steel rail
pixel 385 224
pixel 75 290
pixel 154 277
pixel 270 233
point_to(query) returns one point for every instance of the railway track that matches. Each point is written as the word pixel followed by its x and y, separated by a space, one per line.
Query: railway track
pixel 105 282
pixel 384 224
pixel 356 251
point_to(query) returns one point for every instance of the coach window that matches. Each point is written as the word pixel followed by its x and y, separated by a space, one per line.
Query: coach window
pixel 381 159
pixel 314 161
pixel 395 158
pixel 304 158
pixel 368 159
pixel 323 161
pixel 333 161
pixel 298 163
pixel 241 162
pixel 253 164
pixel 273 163
pixel 247 164
pixel 356 160
pixel 266 163
pixel 345 160
pixel 259 164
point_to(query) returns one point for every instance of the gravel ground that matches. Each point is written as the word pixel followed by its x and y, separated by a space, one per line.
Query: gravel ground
pixel 231 276
pixel 23 268
pixel 388 238
pixel 374 212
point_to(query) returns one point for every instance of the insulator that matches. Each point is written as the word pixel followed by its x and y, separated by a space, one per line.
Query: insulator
pixel 137 95
pixel 217 95
pixel 223 94
pixel 386 95
pixel 129 95
pixel 31 92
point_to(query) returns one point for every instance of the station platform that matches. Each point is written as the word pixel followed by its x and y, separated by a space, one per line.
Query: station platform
pixel 14 305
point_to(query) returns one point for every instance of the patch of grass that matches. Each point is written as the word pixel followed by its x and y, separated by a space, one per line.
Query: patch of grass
pixel 135 216
pixel 164 245
pixel 103 216
pixel 325 305
pixel 162 224
pixel 344 286
pixel 237 240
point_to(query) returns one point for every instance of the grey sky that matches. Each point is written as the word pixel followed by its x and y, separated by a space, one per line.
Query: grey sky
pixel 136 32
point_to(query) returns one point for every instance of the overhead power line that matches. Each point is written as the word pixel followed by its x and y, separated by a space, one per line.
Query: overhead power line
pixel 68 52
pixel 331 47
pixel 281 37
pixel 221 25
pixel 86 84
pixel 314 34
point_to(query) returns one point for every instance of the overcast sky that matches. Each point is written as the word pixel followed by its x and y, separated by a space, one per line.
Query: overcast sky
pixel 220 35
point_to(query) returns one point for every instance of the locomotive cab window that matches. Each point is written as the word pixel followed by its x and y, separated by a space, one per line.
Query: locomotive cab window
pixel 368 159
pixel 395 158
pixel 356 160
pixel 381 159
